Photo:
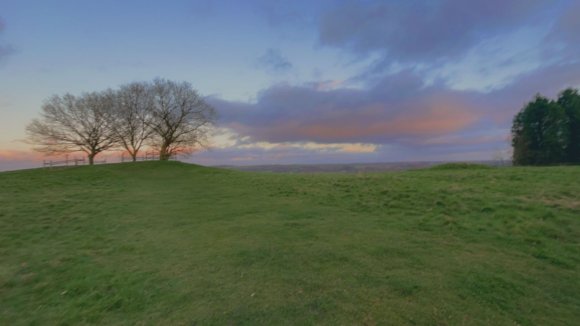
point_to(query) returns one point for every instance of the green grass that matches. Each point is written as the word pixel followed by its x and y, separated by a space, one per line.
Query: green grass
pixel 175 244
pixel 460 166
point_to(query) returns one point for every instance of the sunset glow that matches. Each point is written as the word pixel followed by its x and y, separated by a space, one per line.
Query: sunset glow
pixel 301 82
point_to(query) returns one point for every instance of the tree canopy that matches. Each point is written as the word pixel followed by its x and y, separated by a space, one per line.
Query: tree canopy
pixel 71 123
pixel 167 116
pixel 548 132
pixel 180 118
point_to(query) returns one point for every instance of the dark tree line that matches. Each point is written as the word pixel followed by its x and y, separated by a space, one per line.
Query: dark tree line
pixel 547 131
pixel 167 116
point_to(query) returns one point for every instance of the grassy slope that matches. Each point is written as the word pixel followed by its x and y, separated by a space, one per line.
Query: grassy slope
pixel 155 243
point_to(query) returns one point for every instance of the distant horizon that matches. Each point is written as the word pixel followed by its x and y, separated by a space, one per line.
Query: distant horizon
pixel 299 82
pixel 7 166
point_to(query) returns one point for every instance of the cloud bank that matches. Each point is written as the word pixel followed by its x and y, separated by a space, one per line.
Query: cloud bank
pixel 422 31
pixel 399 107
pixel 447 78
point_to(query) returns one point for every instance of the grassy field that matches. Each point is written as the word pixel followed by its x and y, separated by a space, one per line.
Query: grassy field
pixel 175 244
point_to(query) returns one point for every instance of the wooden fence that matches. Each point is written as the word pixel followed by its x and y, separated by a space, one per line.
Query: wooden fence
pixel 149 156
pixel 69 162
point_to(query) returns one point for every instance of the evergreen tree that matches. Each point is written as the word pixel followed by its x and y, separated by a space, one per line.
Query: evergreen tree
pixel 555 135
pixel 521 140
pixel 569 99
pixel 541 133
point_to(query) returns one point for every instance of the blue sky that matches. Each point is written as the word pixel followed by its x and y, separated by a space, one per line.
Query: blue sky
pixel 302 81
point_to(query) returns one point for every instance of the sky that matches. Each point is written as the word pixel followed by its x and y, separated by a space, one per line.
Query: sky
pixel 301 81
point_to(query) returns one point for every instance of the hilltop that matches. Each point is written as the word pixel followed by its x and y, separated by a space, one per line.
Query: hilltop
pixel 172 243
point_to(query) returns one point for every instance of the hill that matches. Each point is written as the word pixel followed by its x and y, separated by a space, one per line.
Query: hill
pixel 169 243
pixel 349 167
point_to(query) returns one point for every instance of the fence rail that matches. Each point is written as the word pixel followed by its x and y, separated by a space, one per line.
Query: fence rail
pixel 69 162
pixel 148 156
pixel 66 162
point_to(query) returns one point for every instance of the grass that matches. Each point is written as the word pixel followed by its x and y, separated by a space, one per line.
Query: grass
pixel 461 166
pixel 175 244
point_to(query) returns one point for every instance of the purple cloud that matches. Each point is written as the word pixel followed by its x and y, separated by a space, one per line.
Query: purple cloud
pixel 400 106
pixel 400 109
pixel 420 31
pixel 566 33
pixel 474 148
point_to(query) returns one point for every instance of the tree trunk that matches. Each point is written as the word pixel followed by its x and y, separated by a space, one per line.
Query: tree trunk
pixel 134 157
pixel 163 154
pixel 92 158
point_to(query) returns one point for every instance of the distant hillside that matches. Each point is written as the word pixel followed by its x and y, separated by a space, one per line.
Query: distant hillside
pixel 347 168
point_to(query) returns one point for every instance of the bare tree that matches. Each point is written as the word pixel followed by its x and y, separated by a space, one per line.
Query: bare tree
pixel 181 118
pixel 132 117
pixel 70 124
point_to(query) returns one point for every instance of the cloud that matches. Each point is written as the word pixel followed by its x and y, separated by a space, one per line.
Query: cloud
pixel 568 24
pixel 400 106
pixel 318 147
pixel 256 155
pixel 565 33
pixel 327 85
pixel 459 140
pixel 476 149
pixel 5 49
pixel 399 110
pixel 225 138
pixel 420 31
pixel 273 61
pixel 496 61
